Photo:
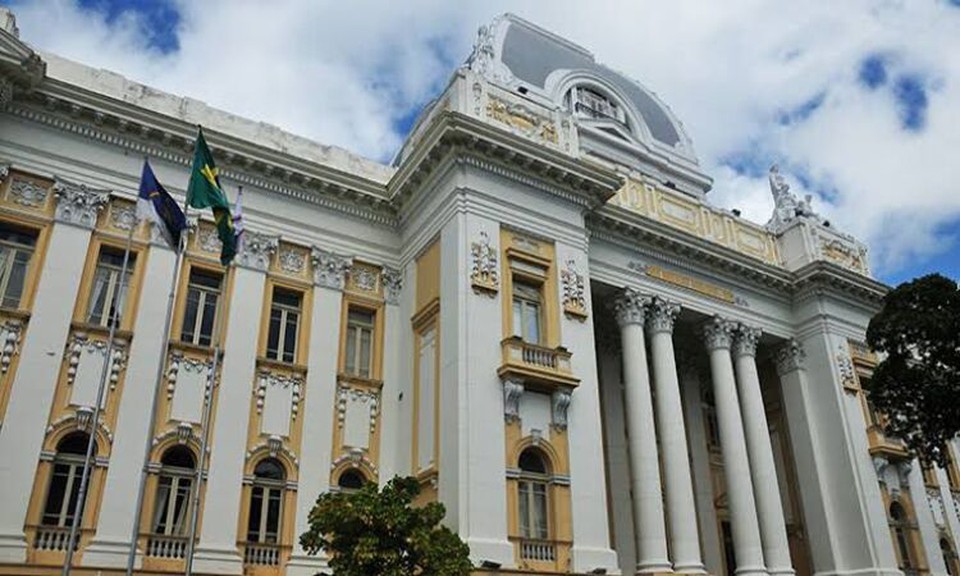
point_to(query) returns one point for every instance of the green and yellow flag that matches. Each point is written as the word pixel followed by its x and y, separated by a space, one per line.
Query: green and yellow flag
pixel 205 191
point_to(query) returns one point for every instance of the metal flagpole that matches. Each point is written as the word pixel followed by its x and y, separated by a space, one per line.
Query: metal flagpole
pixel 113 318
pixel 161 366
pixel 204 433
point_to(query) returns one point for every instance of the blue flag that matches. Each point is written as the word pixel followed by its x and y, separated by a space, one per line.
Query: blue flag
pixel 155 203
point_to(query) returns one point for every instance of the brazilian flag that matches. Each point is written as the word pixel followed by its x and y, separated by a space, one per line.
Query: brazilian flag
pixel 205 191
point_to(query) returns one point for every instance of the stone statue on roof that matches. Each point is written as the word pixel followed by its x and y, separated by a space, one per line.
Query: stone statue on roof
pixel 787 207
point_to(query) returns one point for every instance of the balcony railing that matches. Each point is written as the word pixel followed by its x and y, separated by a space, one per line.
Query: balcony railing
pixel 536 364
pixel 168 547
pixel 261 555
pixel 538 550
pixel 53 539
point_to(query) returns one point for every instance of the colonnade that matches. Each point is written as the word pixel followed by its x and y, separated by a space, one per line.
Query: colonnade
pixel 667 540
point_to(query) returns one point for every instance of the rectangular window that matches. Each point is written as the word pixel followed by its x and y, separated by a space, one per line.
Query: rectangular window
pixel 284 325
pixel 173 502
pixel 527 311
pixel 359 361
pixel 533 510
pixel 109 292
pixel 62 494
pixel 200 314
pixel 263 525
pixel 16 248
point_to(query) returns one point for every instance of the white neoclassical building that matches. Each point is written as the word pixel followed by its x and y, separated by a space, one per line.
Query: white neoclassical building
pixel 534 310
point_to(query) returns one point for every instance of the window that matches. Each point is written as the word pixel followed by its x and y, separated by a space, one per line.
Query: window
pixel 527 311
pixel 949 557
pixel 284 325
pixel 65 481
pixel 900 527
pixel 953 470
pixel 16 248
pixel 177 471
pixel 351 481
pixel 200 315
pixel 533 496
pixel 359 360
pixel 593 104
pixel 266 502
pixel 109 291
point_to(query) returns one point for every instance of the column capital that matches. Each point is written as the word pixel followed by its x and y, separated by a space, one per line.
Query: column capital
pixel 718 333
pixel 661 315
pixel 745 343
pixel 790 357
pixel 392 280
pixel 629 307
pixel 78 204
pixel 329 268
pixel 257 250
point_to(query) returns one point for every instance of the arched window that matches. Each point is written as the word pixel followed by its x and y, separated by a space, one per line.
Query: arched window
pixel 949 557
pixel 64 486
pixel 591 102
pixel 533 495
pixel 177 471
pixel 900 527
pixel 266 502
pixel 351 481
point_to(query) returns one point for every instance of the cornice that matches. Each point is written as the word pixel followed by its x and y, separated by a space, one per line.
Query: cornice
pixel 474 143
pixel 823 276
pixel 96 117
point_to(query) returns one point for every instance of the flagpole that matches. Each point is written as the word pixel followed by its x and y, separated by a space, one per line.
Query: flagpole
pixel 161 367
pixel 113 319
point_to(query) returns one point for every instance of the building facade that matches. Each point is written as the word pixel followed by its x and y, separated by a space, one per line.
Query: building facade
pixel 534 310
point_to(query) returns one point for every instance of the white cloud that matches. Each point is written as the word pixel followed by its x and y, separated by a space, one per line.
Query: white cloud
pixel 344 72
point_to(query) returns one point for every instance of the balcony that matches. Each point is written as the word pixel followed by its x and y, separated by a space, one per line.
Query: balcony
pixel 261 554
pixel 538 366
pixel 538 550
pixel 166 547
pixel 53 539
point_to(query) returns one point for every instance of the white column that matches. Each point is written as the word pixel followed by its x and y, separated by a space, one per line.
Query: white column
pixel 773 530
pixel 115 524
pixel 681 510
pixel 394 328
pixel 28 409
pixel 217 550
pixel 644 460
pixel 718 336
pixel 320 397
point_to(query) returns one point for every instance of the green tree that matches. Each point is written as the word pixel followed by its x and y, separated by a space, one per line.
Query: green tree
pixel 916 386
pixel 381 532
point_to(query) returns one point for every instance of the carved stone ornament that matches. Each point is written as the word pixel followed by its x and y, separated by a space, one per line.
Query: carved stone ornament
pixel 512 392
pixel 257 250
pixel 28 193
pixel 787 207
pixel 880 466
pixel 80 341
pixel 184 432
pixel 10 341
pixel 560 402
pixel 292 260
pixel 84 417
pixel 180 363
pixel 845 251
pixel 362 278
pixel 79 205
pixel 937 508
pixel 123 216
pixel 484 270
pixel 4 171
pixel 661 315
pixel 790 357
pixel 209 242
pixel 345 393
pixel 746 340
pixel 522 120
pixel 629 307
pixel 718 333
pixel 848 376
pixel 483 58
pixel 267 379
pixel 329 269
pixel 274 446
pixel 574 292
pixel 392 284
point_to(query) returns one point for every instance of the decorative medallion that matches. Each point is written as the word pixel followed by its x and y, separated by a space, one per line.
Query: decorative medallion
pixel 363 278
pixel 28 193
pixel 123 216
pixel 292 260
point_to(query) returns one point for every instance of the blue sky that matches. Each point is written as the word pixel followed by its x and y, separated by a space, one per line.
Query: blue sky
pixel 858 102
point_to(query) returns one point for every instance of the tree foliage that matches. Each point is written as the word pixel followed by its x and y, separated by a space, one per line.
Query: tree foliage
pixel 916 386
pixel 381 532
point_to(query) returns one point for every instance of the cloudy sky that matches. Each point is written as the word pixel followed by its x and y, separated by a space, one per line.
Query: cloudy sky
pixel 859 100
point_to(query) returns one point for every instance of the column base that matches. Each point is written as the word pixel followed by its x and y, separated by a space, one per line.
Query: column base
pixel 13 548
pixel 210 560
pixel 302 565
pixel 105 554
pixel 689 568
pixel 496 551
pixel 587 559
pixel 751 571
pixel 654 567
pixel 786 571
pixel 655 573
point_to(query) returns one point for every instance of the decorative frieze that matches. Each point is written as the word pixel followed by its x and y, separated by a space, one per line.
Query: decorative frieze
pixel 661 315
pixel 257 250
pixel 28 193
pixel 560 402
pixel 484 268
pixel 512 392
pixel 208 240
pixel 329 269
pixel 629 307
pixel 747 338
pixel 392 285
pixel 573 291
pixel 79 205
pixel 718 333
pixel 274 446
pixel 790 357
pixel 522 120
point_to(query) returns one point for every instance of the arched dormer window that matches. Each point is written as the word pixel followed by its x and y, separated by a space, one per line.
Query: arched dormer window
pixel 266 502
pixel 64 486
pixel 171 512
pixel 533 495
pixel 590 102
